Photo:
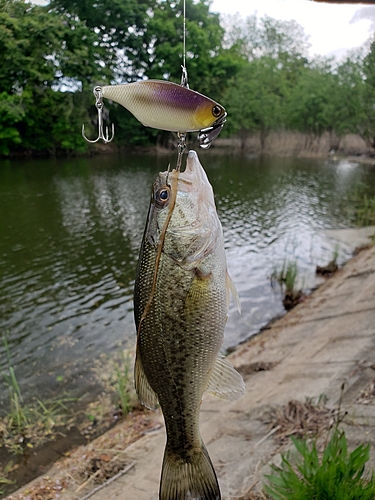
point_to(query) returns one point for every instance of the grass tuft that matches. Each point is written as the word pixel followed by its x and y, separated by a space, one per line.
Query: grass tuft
pixel 29 425
pixel 336 475
pixel 122 383
pixel 365 211
pixel 287 277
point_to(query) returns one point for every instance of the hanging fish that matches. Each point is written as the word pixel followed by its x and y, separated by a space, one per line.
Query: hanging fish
pixel 181 301
pixel 166 105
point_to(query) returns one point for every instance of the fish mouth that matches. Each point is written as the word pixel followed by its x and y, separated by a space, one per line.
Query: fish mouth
pixel 194 180
pixel 194 227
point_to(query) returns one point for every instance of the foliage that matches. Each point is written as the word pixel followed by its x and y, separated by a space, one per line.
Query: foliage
pixel 255 37
pixel 43 49
pixel 348 88
pixel 367 124
pixel 337 475
pixel 254 101
pixel 365 211
pixel 43 52
pixel 309 107
pixel 120 27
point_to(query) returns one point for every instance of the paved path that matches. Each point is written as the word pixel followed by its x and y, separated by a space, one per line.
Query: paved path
pixel 327 340
pixel 324 342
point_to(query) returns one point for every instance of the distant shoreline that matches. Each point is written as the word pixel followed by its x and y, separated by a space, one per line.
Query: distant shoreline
pixel 277 144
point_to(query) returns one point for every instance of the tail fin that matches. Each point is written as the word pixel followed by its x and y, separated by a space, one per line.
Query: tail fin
pixel 188 480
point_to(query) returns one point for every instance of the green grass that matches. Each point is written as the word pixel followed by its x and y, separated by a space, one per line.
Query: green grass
pixel 287 276
pixel 335 475
pixel 122 382
pixel 31 423
pixel 17 417
pixel 365 212
pixel 4 481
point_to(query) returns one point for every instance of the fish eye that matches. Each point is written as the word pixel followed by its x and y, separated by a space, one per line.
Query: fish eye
pixel 216 111
pixel 162 196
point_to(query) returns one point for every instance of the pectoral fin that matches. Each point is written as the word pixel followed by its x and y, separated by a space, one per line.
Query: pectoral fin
pixel 146 395
pixel 225 382
pixel 231 289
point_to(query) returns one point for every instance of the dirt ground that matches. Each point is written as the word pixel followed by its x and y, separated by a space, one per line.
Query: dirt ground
pixel 297 372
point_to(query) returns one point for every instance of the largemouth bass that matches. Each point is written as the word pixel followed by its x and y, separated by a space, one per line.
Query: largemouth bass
pixel 181 300
pixel 166 105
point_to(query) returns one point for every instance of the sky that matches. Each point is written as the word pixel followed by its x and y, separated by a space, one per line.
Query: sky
pixel 333 29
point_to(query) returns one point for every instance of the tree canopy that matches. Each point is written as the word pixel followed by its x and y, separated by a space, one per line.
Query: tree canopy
pixel 258 68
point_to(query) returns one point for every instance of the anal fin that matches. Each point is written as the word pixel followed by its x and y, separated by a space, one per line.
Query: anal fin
pixel 225 382
pixel 146 395
pixel 231 290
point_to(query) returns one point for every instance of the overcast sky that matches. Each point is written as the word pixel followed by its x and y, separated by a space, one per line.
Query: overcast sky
pixel 333 28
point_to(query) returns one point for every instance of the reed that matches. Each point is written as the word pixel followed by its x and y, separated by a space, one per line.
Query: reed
pixel 122 383
pixel 365 211
pixel 17 415
pixel 286 276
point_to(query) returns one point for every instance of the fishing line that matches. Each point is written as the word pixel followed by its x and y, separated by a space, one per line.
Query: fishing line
pixel 184 38
pixel 184 83
pixel 184 77
pixel 172 202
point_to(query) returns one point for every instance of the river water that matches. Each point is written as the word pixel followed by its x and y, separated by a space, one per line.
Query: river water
pixel 70 231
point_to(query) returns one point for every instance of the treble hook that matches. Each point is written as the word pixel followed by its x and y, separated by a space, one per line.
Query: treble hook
pixel 99 106
pixel 182 135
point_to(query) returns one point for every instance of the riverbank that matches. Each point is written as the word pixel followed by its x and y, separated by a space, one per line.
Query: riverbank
pixel 325 342
pixel 278 144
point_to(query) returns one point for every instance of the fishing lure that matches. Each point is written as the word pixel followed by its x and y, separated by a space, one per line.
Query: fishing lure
pixel 166 106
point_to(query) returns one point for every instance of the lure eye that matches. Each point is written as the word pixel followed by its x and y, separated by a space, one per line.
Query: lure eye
pixel 216 111
pixel 162 196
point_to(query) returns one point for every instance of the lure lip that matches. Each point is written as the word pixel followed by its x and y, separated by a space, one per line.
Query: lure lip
pixel 206 136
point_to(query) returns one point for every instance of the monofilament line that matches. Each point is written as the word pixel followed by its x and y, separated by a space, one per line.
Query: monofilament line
pixel 184 38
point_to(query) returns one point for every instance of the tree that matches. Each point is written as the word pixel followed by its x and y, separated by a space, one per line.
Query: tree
pixel 255 37
pixel 254 101
pixel 42 49
pixel 348 112
pixel 367 123
pixel 120 27
pixel 310 105
pixel 42 52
